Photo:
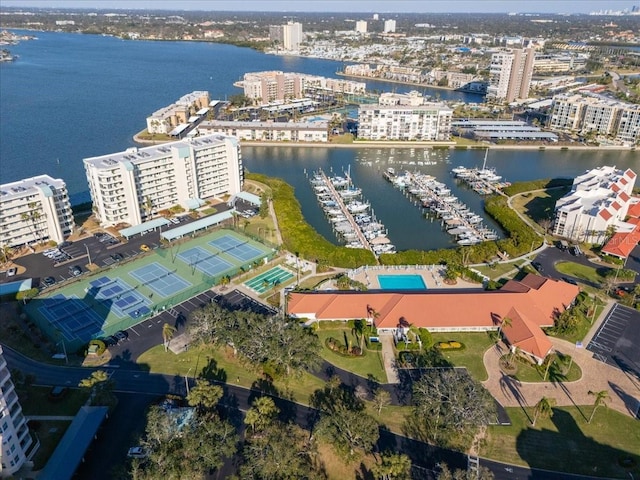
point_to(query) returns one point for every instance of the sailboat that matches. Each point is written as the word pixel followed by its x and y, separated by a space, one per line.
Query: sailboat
pixel 488 174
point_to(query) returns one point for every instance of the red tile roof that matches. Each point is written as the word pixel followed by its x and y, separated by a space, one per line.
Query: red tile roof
pixel 634 210
pixel 624 197
pixel 621 244
pixel 616 205
pixel 615 187
pixel 526 335
pixel 536 297
pixel 605 214
pixel 624 181
pixel 630 173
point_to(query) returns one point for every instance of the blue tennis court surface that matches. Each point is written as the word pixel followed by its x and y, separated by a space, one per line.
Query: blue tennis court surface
pixel 73 317
pixel 160 279
pixel 209 263
pixel 118 296
pixel 236 248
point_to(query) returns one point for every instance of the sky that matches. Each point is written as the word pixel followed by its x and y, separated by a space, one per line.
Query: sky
pixel 369 6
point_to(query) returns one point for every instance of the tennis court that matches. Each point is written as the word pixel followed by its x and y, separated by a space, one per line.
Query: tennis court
pixel 73 317
pixel 160 279
pixel 118 296
pixel 208 263
pixel 236 248
pixel 269 279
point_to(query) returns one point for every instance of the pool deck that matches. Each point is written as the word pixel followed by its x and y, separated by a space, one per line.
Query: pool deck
pixel 432 275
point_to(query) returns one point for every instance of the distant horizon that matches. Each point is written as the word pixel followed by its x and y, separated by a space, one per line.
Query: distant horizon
pixel 338 6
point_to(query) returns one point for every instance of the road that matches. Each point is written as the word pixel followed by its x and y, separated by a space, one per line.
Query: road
pixel 136 389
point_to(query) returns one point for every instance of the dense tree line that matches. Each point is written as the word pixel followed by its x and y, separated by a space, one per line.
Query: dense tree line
pixel 283 346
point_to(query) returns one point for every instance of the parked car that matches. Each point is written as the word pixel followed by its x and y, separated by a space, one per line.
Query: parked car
pixel 75 270
pixel 66 243
pixel 110 341
pixel 57 393
pixel 121 335
pixel 116 257
pixel 48 281
pixel 12 271
pixel 136 452
pixel 570 280
pixel 144 247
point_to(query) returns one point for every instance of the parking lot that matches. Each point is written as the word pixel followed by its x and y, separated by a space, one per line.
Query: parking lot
pixel 617 341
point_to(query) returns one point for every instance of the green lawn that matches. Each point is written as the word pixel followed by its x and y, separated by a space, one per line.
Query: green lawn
pixel 220 365
pixel 35 401
pixel 49 433
pixel 527 372
pixel 577 270
pixel 498 270
pixel 566 443
pixel 475 343
pixel 369 364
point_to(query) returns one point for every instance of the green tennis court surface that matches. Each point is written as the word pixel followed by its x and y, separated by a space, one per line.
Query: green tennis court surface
pixel 269 279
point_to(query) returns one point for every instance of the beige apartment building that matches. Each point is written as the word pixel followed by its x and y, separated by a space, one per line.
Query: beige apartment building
pixel 34 210
pixel 287 36
pixel 270 131
pixel 603 116
pixel 167 118
pixel 510 75
pixel 130 187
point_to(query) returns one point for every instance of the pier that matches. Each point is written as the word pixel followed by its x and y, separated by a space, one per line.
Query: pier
pixel 348 216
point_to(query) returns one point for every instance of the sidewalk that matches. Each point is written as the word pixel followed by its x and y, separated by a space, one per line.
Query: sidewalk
pixel 624 390
pixel 388 358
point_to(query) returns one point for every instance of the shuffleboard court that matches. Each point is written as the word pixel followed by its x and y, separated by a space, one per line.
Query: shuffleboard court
pixel 269 279
pixel 160 279
pixel 209 263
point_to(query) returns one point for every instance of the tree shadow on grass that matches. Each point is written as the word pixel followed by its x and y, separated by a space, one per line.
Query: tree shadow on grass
pixel 569 450
pixel 211 371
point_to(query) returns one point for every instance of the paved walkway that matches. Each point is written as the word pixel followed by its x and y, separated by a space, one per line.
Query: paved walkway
pixel 624 389
pixel 388 358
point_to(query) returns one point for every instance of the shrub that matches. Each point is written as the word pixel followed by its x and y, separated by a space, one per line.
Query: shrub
pixel 425 338
pixel 356 351
pixel 100 346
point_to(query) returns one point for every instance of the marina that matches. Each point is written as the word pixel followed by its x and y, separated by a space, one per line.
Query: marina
pixel 457 219
pixel 483 181
pixel 351 218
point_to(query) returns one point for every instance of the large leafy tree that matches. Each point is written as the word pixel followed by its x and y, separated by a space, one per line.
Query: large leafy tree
pixel 205 396
pixel 393 466
pixel 449 406
pixel 181 451
pixel 276 450
pixel 343 421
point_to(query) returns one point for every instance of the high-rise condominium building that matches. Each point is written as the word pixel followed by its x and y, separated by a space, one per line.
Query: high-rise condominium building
pixel 288 36
pixel 427 122
pixel 14 433
pixel 34 210
pixel 599 199
pixel 132 186
pixel 510 74
pixel 389 26
pixel 601 115
pixel 361 26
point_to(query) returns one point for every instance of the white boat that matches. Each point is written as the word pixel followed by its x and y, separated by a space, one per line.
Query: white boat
pixel 357 207
pixel 350 192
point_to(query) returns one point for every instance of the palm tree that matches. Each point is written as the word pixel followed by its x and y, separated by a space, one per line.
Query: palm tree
pixel 6 253
pixel 167 334
pixel 543 409
pixel 601 398
pixel 506 322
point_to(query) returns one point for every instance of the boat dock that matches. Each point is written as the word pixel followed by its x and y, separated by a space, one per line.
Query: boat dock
pixel 348 215
pixel 483 181
pixel 456 217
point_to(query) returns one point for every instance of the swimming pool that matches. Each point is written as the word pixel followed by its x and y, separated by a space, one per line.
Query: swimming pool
pixel 401 282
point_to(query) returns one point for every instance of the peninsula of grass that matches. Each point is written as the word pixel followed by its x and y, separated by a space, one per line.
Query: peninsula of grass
pixel 471 357
pixel 577 270
pixel 558 372
pixel 567 443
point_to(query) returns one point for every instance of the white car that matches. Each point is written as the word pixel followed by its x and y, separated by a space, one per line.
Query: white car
pixel 12 271
pixel 136 452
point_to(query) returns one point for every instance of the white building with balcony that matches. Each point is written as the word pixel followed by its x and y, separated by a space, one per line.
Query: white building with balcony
pixel 598 201
pixel 34 210
pixel 426 122
pixel 130 187
pixel 15 439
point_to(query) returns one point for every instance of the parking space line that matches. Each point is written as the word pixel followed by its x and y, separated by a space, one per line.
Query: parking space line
pixel 134 331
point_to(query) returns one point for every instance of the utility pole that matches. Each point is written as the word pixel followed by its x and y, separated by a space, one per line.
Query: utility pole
pixel 186 380
pixel 88 254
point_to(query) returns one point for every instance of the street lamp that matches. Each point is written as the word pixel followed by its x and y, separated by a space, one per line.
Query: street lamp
pixel 88 254
pixel 186 380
